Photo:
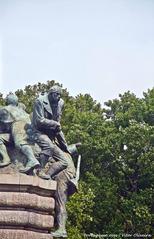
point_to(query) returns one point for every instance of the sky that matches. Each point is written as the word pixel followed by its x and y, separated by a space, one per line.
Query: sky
pixel 100 47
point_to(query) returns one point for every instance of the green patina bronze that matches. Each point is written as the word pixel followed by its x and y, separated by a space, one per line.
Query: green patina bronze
pixel 14 125
pixel 55 156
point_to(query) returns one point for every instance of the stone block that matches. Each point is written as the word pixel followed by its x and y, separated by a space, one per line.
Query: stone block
pixel 27 201
pixel 26 219
pixel 22 234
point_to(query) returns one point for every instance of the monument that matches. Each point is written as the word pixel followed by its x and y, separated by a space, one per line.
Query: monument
pixel 37 173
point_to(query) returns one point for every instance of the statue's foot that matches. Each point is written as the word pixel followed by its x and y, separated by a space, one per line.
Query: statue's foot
pixel 43 175
pixel 29 166
pixel 5 163
pixel 59 234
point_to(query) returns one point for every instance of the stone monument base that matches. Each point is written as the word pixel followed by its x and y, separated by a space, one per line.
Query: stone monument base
pixel 26 206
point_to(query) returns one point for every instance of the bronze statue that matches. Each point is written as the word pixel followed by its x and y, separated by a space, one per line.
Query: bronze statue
pixel 55 154
pixel 14 122
pixel 67 185
pixel 4 140
pixel 48 134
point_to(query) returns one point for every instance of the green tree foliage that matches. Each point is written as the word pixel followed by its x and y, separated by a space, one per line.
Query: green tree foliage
pixel 2 101
pixel 117 170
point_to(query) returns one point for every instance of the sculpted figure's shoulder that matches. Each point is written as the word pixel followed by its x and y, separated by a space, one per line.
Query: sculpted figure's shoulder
pixel 44 103
pixel 17 112
pixel 42 97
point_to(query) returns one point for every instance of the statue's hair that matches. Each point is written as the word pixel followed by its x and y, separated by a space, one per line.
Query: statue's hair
pixel 11 99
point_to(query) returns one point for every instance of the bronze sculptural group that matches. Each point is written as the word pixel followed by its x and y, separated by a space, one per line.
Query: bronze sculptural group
pixel 55 157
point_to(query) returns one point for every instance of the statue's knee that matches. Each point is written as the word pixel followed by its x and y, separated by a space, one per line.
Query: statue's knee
pixel 49 145
pixel 45 142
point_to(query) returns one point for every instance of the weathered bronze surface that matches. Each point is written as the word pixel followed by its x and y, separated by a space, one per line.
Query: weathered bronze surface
pixel 41 147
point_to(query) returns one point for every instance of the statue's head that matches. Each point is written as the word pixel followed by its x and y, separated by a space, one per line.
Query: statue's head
pixel 55 93
pixel 11 99
pixel 73 148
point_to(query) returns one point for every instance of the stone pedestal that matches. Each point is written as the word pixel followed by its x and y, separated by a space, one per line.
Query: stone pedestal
pixel 26 207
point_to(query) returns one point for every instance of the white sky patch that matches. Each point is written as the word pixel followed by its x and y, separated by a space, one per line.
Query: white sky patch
pixel 98 47
pixel 0 65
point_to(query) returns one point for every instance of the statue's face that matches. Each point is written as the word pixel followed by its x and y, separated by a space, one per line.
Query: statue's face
pixel 54 97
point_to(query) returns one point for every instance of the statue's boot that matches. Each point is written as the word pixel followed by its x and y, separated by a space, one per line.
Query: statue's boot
pixel 32 161
pixel 40 173
pixel 61 231
pixel 43 159
pixel 5 157
pixel 54 169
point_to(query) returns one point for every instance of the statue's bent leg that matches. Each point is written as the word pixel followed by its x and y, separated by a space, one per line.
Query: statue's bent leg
pixel 60 163
pixel 20 138
pixel 4 139
pixel 45 144
pixel 32 162
pixel 52 150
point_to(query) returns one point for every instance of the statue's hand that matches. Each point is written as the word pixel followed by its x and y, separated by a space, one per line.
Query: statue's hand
pixel 78 144
pixel 73 148
pixel 56 127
